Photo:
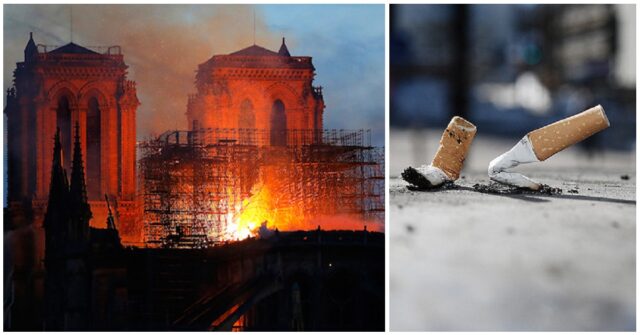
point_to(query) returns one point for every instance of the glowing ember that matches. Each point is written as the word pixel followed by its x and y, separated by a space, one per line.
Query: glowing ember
pixel 264 206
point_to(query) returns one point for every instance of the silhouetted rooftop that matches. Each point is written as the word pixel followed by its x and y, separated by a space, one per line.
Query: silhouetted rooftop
pixel 254 50
pixel 72 48
pixel 256 56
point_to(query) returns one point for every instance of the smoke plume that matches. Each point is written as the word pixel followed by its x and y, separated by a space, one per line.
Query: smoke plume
pixel 162 44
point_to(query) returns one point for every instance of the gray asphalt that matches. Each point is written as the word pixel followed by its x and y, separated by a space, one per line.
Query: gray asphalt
pixel 464 260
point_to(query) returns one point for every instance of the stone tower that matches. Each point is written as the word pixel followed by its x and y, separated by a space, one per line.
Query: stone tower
pixel 67 245
pixel 256 88
pixel 55 89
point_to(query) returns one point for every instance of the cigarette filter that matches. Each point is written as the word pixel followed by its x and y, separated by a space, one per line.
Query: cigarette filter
pixel 551 139
pixel 454 145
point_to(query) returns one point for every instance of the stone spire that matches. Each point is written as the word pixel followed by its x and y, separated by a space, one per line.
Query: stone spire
pixel 31 49
pixel 78 204
pixel 58 189
pixel 56 221
pixel 283 49
pixel 111 222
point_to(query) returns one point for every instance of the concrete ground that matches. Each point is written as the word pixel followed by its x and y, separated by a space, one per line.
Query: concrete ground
pixel 464 260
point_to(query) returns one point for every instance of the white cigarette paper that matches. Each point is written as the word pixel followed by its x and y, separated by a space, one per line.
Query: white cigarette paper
pixel 521 153
pixel 542 143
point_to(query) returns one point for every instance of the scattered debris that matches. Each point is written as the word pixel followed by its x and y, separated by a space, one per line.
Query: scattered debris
pixel 449 185
pixel 497 188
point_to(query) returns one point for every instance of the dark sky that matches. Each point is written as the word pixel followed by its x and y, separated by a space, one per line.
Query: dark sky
pixel 163 44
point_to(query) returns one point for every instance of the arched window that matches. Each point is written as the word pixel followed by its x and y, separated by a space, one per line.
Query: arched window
pixel 63 121
pixel 278 124
pixel 94 134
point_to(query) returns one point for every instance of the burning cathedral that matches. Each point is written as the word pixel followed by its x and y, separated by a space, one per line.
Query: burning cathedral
pixel 93 253
pixel 257 156
pixel 256 88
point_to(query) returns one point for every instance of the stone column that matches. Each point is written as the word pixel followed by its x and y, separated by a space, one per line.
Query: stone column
pixel 128 150
pixel 109 149
pixel 81 116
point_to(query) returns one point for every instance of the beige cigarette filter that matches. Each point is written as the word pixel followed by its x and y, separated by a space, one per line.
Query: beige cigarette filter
pixel 549 140
pixel 454 145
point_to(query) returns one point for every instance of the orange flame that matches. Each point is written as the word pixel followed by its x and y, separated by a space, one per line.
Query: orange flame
pixel 272 205
pixel 263 206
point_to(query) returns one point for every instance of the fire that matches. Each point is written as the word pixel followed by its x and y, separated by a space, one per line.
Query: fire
pixel 264 207
pixel 274 204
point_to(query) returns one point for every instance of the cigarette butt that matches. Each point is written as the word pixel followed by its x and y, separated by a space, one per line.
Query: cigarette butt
pixel 551 139
pixel 521 153
pixel 454 145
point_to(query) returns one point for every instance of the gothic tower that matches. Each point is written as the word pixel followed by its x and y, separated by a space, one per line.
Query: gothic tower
pixel 67 245
pixel 256 88
pixel 56 89
pixel 55 226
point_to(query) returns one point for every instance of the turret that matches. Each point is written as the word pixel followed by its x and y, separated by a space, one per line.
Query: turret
pixel 284 51
pixel 31 50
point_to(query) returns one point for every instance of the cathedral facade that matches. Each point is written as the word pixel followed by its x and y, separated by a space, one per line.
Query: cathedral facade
pixel 257 89
pixel 54 89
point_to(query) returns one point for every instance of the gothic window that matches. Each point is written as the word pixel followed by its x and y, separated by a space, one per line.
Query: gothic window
pixel 278 124
pixel 94 134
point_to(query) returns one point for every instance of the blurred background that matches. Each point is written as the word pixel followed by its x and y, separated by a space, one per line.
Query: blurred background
pixel 465 261
pixel 510 69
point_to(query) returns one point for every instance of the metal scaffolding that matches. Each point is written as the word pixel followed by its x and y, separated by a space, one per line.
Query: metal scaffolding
pixel 194 181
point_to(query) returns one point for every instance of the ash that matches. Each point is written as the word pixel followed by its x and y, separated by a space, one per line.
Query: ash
pixel 497 188
pixel 420 183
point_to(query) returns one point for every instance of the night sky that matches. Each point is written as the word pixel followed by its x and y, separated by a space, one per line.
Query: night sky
pixel 163 45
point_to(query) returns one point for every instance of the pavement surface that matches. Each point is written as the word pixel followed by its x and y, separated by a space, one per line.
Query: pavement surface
pixel 464 260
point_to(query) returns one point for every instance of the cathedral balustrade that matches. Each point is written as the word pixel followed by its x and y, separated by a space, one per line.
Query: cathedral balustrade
pixel 260 61
pixel 263 137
